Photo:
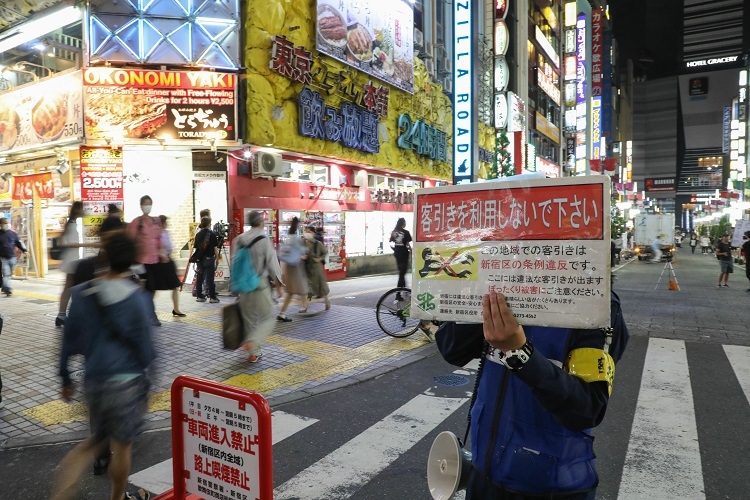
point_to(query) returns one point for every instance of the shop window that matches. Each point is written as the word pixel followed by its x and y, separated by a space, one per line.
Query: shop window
pixel 367 233
pixel 308 172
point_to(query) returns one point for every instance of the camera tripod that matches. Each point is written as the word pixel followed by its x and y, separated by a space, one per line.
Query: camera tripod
pixel 673 284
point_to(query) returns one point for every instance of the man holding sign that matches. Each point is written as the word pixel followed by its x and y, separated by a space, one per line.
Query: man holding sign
pixel 525 264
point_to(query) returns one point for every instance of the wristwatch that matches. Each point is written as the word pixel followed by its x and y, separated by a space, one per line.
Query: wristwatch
pixel 516 358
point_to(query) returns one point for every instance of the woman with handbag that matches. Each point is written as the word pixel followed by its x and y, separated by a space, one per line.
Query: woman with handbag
pixel 146 231
pixel 292 255
pixel 167 277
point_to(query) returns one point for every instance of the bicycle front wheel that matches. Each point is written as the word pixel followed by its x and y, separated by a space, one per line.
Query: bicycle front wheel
pixel 393 313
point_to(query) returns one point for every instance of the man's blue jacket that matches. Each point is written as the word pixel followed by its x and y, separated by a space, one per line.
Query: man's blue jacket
pixel 530 428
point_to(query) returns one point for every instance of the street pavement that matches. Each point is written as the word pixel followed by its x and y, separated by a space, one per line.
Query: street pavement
pixel 678 423
pixel 317 351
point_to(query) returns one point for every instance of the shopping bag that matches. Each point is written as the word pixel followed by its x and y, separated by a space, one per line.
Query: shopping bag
pixel 231 326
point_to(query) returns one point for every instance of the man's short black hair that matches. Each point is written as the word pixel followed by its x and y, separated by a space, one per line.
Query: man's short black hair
pixel 120 249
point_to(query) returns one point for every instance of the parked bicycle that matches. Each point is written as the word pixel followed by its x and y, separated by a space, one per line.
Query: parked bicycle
pixel 393 313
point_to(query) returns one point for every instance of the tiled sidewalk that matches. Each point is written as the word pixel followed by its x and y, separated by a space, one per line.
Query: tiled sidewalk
pixel 317 352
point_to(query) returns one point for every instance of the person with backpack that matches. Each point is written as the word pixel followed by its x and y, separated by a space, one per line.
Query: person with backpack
pixel 205 255
pixel 251 281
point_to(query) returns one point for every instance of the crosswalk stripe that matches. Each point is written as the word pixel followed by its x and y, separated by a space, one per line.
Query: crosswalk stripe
pixel 342 472
pixel 738 356
pixel 158 478
pixel 663 458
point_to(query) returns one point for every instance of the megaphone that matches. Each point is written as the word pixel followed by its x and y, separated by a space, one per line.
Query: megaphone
pixel 448 466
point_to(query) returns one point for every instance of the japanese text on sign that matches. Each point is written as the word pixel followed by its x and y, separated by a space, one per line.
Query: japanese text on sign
pixel 221 447
pixel 543 243
pixel 299 65
pixel 542 213
pixel 352 126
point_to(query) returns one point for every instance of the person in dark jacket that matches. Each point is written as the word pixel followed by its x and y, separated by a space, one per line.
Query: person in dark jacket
pixel 113 221
pixel 746 253
pixel 9 242
pixel 539 391
pixel 401 239
pixel 207 254
pixel 109 323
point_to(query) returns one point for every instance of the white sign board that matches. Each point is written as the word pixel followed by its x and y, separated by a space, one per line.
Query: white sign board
pixel 543 243
pixel 221 444
pixel 739 229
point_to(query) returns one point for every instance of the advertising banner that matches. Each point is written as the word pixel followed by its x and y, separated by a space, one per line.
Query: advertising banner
pixel 375 37
pixel 150 104
pixel 660 184
pixel 25 185
pixel 47 113
pixel 101 184
pixel 543 243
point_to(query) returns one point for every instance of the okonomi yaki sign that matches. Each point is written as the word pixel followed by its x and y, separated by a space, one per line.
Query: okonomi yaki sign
pixel 543 243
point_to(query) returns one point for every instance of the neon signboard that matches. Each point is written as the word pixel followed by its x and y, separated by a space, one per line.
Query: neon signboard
pixel 463 83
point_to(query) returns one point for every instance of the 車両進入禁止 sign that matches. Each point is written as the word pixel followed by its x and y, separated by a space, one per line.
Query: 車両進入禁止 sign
pixel 543 243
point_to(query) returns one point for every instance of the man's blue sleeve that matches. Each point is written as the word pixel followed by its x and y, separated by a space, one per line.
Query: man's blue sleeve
pixel 459 343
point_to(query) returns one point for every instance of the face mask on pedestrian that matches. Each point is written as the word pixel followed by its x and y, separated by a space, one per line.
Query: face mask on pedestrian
pixel 308 235
pixel 146 209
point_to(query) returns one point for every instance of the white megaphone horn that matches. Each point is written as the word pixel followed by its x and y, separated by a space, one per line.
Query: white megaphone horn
pixel 447 466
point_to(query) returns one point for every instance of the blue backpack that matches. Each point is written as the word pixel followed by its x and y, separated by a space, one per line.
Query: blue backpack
pixel 243 277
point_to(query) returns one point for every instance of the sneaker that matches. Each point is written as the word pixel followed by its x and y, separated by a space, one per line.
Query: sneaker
pixel 254 358
pixel 725 285
pixel 718 286
pixel 200 299
pixel 8 293
pixel 213 300
pixel 283 318
pixel 100 466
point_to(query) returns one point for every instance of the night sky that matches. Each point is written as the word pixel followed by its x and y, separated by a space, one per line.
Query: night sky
pixel 650 33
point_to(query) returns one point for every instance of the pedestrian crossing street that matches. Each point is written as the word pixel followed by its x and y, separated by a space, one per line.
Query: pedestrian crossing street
pixel 664 455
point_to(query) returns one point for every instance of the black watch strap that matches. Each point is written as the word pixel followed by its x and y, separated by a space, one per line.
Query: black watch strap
pixel 515 360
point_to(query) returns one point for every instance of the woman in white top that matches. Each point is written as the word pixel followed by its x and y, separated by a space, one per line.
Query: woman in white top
pixel 71 243
pixel 170 280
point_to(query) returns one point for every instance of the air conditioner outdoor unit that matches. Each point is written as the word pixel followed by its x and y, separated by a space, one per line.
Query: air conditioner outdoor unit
pixel 418 39
pixel 267 165
pixel 430 66
pixel 448 85
pixel 446 66
pixel 429 49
